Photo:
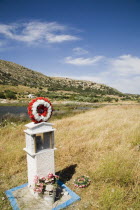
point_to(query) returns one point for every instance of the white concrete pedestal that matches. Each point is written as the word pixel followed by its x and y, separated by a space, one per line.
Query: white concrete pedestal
pixel 40 150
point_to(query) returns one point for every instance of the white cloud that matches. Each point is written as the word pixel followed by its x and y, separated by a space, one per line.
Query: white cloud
pixel 83 61
pixel 126 65
pixel 122 73
pixel 6 29
pixel 126 85
pixel 79 51
pixel 37 31
pixel 60 38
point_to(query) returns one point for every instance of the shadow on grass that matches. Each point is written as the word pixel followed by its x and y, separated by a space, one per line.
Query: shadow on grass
pixel 67 173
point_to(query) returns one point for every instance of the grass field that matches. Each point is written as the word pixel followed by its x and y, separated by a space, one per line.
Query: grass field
pixel 103 144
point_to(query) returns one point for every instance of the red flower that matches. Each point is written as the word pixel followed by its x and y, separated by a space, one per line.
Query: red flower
pixel 41 110
pixel 50 175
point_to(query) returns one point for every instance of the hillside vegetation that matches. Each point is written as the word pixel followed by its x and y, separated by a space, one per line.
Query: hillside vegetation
pixel 13 75
pixel 103 144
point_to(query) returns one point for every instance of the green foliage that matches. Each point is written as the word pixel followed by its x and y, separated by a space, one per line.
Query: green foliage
pixel 108 99
pixel 2 95
pixel 10 94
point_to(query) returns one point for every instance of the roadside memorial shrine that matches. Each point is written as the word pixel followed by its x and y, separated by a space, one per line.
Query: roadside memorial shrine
pixel 44 189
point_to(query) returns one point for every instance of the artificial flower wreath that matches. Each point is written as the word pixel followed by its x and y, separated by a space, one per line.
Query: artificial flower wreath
pixel 40 109
pixel 42 182
pixel 82 181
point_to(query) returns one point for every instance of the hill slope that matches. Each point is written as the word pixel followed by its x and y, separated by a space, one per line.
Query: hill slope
pixel 15 74
pixel 58 88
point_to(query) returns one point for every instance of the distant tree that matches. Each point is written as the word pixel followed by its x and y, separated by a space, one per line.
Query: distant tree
pixel 138 100
pixel 116 99
pixel 25 83
pixel 94 100
pixel 108 99
pixel 10 94
pixel 2 95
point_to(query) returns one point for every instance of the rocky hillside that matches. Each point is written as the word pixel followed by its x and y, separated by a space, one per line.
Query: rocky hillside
pixel 14 74
pixel 57 88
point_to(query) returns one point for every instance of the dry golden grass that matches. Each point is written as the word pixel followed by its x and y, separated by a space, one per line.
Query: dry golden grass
pixel 18 89
pixel 102 143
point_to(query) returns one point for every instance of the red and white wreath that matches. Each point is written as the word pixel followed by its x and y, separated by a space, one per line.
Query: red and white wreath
pixel 40 109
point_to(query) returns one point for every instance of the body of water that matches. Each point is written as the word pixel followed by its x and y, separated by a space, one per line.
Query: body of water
pixel 12 110
pixel 17 110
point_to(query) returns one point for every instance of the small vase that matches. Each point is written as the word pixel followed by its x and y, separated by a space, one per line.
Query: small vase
pixel 50 194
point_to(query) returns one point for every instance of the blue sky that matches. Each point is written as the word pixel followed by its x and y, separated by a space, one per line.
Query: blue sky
pixel 97 40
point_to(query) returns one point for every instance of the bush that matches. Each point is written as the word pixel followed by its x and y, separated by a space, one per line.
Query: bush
pixel 108 99
pixel 2 95
pixel 10 94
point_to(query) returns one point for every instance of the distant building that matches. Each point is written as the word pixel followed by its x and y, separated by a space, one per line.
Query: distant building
pixel 31 96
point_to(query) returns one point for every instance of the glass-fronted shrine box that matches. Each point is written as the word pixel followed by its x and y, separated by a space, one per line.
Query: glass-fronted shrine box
pixel 39 137
pixel 44 141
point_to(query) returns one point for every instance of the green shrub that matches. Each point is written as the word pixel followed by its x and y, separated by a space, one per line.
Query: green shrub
pixel 2 95
pixel 10 94
pixel 108 99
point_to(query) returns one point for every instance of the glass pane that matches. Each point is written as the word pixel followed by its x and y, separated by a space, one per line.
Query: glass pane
pixel 44 141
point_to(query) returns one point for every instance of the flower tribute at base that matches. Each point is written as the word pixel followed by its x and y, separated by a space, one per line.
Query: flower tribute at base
pixel 82 181
pixel 42 182
pixel 40 109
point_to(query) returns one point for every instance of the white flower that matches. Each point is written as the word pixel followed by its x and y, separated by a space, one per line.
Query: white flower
pixel 36 114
